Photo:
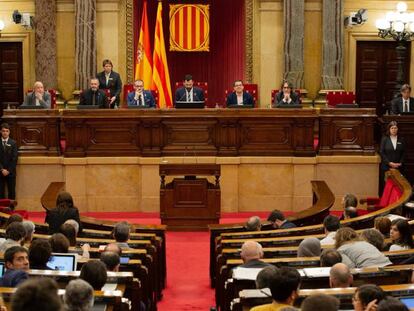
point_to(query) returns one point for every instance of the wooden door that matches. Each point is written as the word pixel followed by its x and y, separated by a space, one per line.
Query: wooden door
pixel 376 69
pixel 11 74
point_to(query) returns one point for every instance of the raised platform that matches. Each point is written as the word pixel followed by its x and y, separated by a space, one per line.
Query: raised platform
pixel 131 184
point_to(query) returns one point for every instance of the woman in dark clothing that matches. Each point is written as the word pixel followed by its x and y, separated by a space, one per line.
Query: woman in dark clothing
pixel 64 210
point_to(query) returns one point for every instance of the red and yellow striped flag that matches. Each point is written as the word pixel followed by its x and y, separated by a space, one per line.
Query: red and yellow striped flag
pixel 143 69
pixel 161 76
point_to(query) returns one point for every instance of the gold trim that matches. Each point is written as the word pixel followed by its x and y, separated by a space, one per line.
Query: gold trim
pixel 249 41
pixel 130 40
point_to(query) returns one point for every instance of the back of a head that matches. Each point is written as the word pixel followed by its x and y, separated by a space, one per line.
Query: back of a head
pixel 64 200
pixel 350 212
pixel 330 257
pixel 391 304
pixel 74 224
pixel 350 200
pixel 345 235
pixel 265 277
pixel 36 294
pixel 29 226
pixel 309 247
pixel 13 218
pixel 94 272
pixel 340 275
pixel 251 250
pixel 369 292
pixel 121 232
pixel 15 231
pixel 320 302
pixel 286 281
pixel 331 223
pixel 59 243
pixel 111 260
pixel 374 237
pixel 39 252
pixel 405 233
pixel 383 225
pixel 253 224
pixel 276 215
pixel 69 232
pixel 78 296
pixel 113 247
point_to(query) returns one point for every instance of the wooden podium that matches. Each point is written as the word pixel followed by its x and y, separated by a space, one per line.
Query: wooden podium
pixel 189 202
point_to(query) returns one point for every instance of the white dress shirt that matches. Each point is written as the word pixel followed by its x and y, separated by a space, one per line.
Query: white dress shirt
pixel 394 141
pixel 239 99
pixel 329 239
pixel 189 96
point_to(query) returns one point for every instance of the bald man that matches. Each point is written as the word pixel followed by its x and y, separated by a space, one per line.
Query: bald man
pixel 39 97
pixel 253 224
pixel 340 276
pixel 251 253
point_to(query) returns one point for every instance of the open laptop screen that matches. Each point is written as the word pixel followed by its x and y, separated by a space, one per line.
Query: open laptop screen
pixel 62 262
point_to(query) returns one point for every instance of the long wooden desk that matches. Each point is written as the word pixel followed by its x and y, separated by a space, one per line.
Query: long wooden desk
pixel 193 132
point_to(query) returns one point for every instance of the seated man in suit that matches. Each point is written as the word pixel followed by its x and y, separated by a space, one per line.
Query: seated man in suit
pixel 93 96
pixel 403 104
pixel 279 221
pixel 38 97
pixel 188 92
pixel 140 97
pixel 286 96
pixel 16 260
pixel 251 253
pixel 239 97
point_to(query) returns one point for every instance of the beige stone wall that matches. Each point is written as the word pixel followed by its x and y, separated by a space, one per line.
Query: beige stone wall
pixel 247 183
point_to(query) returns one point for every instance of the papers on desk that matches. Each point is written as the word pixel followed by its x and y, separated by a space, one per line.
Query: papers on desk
pixel 246 273
pixel 315 272
pixel 392 217
pixel 109 287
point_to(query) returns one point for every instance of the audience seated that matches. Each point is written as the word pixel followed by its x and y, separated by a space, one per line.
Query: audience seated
pixel 374 237
pixel 401 235
pixel 279 221
pixel 330 225
pixel 29 226
pixel 113 247
pixel 16 260
pixel 15 235
pixel 94 272
pixel 320 302
pixel 64 210
pixel 121 234
pixel 340 276
pixel 284 288
pixel 111 261
pixel 350 212
pixel 391 304
pixel 69 231
pixel 330 257
pixel 251 253
pixel 383 225
pixel 39 254
pixel 78 296
pixel 59 243
pixel 265 276
pixel 309 247
pixel 74 224
pixel 37 294
pixel 13 218
pixel 253 224
pixel 348 200
pixel 367 297
pixel 357 253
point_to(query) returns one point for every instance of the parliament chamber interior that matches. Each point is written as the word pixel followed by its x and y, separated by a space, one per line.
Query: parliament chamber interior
pixel 224 155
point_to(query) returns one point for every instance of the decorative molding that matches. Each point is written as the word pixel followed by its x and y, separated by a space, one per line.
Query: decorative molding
pixel 249 41
pixel 130 55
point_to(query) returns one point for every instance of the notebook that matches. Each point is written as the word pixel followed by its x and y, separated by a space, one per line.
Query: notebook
pixel 62 262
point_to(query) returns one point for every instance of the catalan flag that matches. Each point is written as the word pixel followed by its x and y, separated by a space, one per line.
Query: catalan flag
pixel 189 27
pixel 161 76
pixel 143 69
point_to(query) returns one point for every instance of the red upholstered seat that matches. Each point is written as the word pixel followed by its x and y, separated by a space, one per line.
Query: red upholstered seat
pixel 390 195
pixel 249 88
pixel 345 98
pixel 53 97
pixel 274 93
pixel 128 88
pixel 201 85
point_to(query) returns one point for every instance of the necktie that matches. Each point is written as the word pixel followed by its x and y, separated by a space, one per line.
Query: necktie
pixel 4 144
pixel 406 108
pixel 188 97
pixel 107 79
pixel 140 100
pixel 93 98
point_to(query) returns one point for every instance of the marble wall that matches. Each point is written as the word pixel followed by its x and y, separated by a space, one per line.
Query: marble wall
pixel 247 183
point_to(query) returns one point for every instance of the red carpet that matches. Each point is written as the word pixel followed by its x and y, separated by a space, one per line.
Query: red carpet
pixel 188 284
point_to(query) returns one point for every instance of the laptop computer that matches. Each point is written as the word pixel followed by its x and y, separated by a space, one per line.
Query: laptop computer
pixel 62 262
pixel 2 268
pixel 408 301
pixel 87 107
pixel 189 105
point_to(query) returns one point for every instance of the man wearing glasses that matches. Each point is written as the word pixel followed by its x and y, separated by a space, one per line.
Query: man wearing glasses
pixel 239 98
pixel 140 97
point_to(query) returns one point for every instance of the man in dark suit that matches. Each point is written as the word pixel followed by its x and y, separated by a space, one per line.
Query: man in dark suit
pixel 286 96
pixel 239 98
pixel 17 263
pixel 188 92
pixel 39 97
pixel 403 104
pixel 140 97
pixel 251 253
pixel 279 221
pixel 93 96
pixel 8 162
pixel 109 79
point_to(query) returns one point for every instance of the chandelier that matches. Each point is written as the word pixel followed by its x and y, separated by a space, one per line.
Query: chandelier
pixel 397 25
